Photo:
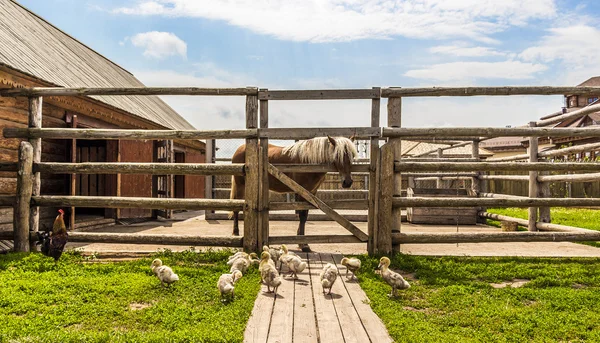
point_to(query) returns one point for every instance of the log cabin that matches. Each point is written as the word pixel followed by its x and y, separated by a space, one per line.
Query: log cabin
pixel 35 53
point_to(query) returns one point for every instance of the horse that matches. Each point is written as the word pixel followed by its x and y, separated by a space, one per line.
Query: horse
pixel 339 152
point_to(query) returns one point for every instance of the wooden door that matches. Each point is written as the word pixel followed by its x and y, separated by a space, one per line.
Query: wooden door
pixel 162 185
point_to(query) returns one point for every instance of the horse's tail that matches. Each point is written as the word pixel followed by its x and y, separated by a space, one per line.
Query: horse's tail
pixel 232 194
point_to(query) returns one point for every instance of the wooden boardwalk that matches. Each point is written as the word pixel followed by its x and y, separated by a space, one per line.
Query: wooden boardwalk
pixel 301 312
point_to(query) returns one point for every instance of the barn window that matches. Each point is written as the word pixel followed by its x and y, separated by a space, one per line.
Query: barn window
pixel 592 99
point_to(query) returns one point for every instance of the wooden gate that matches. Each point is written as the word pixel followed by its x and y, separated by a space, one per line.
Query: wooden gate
pixel 162 185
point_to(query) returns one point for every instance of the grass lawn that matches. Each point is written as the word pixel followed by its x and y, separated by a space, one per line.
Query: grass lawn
pixel 452 299
pixel 74 301
pixel 578 217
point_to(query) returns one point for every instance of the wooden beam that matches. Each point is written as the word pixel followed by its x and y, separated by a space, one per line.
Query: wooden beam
pixel 501 196
pixel 436 150
pixel 135 202
pixel 286 180
pixel 541 226
pixel 373 197
pixel 22 208
pixel 487 91
pixel 317 168
pixel 494 237
pixel 496 166
pixel 588 177
pixel 252 179
pixel 35 121
pixel 533 184
pixel 358 204
pixel 394 117
pixel 314 239
pixel 569 116
pixel 570 150
pixel 490 132
pixel 60 91
pixel 327 94
pixel 263 199
pixel 54 133
pixel 140 168
pixel 312 132
pixel 504 177
pixel 73 190
pixel 494 202
pixel 9 166
pixel 386 213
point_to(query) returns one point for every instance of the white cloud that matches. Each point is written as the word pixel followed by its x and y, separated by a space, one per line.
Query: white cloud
pixel 576 45
pixel 466 71
pixel 160 45
pixel 465 51
pixel 346 20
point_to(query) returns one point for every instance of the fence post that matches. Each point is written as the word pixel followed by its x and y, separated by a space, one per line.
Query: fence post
pixel 252 178
pixel 22 207
pixel 438 181
pixel 35 121
pixel 263 200
pixel 394 108
pixel 533 184
pixel 385 214
pixel 476 183
pixel 544 192
pixel 208 179
pixel 373 176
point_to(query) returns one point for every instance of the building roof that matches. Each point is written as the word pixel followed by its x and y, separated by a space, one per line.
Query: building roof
pixel 411 148
pixel 591 82
pixel 31 45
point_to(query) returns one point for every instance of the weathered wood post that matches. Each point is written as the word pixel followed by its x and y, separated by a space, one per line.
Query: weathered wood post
pixel 394 108
pixel 22 207
pixel 263 200
pixel 35 121
pixel 373 176
pixel 74 175
pixel 476 183
pixel 533 184
pixel 208 179
pixel 252 178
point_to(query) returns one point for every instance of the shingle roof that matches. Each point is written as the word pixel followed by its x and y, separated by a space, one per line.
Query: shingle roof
pixel 411 148
pixel 33 46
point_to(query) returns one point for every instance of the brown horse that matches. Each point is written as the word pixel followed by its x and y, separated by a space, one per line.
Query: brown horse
pixel 336 151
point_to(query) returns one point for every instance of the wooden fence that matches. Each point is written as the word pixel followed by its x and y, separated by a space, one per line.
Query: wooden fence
pixel 384 169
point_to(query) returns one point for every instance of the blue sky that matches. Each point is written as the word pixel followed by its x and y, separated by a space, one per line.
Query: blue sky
pixel 303 44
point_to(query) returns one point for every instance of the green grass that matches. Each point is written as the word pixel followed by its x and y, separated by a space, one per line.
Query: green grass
pixel 74 301
pixel 452 300
pixel 578 217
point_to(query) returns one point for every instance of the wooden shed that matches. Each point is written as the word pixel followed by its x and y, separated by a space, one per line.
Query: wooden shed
pixel 441 215
pixel 33 52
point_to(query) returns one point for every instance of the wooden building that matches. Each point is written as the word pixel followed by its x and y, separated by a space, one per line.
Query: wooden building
pixel 33 52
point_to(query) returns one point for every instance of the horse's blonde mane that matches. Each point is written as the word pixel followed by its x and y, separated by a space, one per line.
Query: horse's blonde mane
pixel 320 151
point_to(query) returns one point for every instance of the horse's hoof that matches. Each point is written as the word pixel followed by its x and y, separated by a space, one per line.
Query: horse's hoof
pixel 305 248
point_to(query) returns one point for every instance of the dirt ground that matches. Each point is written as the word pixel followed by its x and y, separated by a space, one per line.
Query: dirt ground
pixel 194 223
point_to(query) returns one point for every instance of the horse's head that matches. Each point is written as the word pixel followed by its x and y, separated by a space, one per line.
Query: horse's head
pixel 344 151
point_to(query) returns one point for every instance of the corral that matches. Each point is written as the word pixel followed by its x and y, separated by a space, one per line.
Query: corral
pixel 385 168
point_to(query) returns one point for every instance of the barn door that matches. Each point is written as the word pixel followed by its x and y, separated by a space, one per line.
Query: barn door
pixel 162 185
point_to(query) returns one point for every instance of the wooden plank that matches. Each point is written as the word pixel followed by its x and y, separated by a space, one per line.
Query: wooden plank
pixel 317 168
pixel 533 183
pixel 490 132
pixel 257 328
pixel 94 134
pixel 352 328
pixel 357 204
pixel 488 91
pixel 305 327
pixel 35 121
pixel 60 91
pixel 73 176
pixel 496 166
pixel 140 168
pixel 138 202
pixel 312 132
pixel 372 324
pixel 494 202
pixel 252 179
pixel 328 326
pixel 263 199
pixel 282 319
pixel 383 245
pixel 22 210
pixel 313 239
pixel 327 94
pixel 373 172
pixel 494 237
pixel 286 180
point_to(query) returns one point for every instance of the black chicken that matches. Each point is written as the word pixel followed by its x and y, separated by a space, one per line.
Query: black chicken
pixel 53 244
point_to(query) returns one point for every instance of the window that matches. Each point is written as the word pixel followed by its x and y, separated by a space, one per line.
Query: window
pixel 593 99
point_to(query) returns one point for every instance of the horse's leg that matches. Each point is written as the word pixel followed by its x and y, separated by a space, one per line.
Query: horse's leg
pixel 236 228
pixel 303 216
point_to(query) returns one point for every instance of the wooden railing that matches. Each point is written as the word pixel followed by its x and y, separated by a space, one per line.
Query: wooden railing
pixel 385 167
